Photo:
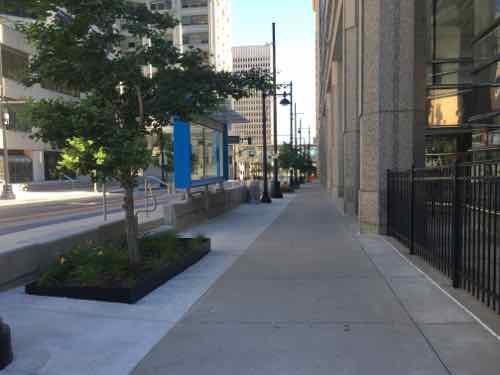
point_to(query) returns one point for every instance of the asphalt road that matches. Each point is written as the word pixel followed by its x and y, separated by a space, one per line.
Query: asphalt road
pixel 23 217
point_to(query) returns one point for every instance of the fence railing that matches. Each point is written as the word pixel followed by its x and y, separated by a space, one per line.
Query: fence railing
pixel 450 217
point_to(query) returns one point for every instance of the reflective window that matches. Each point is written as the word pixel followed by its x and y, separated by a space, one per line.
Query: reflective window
pixel 194 3
pixel 450 73
pixel 486 12
pixel 487 48
pixel 453 28
pixel 448 107
pixel 440 150
pixel 161 5
pixel 195 38
pixel 197 152
pixel 20 167
pixel 201 19
pixel 206 153
pixel 15 63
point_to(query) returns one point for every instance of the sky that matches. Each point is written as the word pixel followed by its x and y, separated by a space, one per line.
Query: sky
pixel 295 34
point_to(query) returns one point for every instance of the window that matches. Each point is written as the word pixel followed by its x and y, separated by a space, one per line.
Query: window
pixel 206 152
pixel 463 78
pixel 453 29
pixel 20 167
pixel 194 3
pixel 486 13
pixel 15 63
pixel 195 38
pixel 161 5
pixel 12 9
pixel 195 20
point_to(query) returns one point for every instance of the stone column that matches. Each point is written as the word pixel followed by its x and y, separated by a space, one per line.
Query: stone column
pixel 393 107
pixel 38 166
pixel 350 66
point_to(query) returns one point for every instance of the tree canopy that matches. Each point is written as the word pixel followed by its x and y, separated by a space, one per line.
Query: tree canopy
pixel 131 78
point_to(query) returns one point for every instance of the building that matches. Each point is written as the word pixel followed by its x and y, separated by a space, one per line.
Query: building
pixel 29 160
pixel 204 24
pixel 402 83
pixel 246 58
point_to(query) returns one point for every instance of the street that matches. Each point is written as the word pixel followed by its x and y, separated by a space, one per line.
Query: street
pixel 23 217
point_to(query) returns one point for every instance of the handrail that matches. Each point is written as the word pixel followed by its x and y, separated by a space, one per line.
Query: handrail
pixel 148 193
pixel 156 179
pixel 67 178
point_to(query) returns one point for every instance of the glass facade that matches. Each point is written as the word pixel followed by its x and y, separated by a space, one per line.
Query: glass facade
pixel 206 153
pixel 20 167
pixel 463 79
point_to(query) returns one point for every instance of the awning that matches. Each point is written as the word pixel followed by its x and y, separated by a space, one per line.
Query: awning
pixel 229 117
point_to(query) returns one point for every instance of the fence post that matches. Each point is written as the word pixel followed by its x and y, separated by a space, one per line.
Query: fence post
pixel 412 210
pixel 457 246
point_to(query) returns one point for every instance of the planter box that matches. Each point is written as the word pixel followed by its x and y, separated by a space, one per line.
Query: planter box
pixel 124 295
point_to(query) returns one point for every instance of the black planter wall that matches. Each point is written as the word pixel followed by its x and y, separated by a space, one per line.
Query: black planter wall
pixel 6 355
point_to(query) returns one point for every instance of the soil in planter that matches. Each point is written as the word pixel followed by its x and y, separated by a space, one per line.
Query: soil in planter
pixel 107 266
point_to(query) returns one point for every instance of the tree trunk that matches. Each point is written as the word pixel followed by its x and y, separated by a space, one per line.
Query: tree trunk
pixel 131 226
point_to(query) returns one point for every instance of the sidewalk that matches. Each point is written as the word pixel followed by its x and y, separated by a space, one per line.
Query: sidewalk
pixel 310 297
pixel 57 336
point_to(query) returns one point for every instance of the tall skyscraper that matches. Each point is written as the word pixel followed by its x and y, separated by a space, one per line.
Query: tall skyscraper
pixel 204 24
pixel 246 58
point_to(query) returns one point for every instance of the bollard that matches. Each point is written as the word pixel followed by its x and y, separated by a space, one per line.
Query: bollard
pixel 6 355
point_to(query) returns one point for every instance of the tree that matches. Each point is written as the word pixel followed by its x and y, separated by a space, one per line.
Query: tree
pixel 102 48
pixel 287 156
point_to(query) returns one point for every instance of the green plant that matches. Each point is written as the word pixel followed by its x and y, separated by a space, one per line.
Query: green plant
pixel 108 266
pixel 82 48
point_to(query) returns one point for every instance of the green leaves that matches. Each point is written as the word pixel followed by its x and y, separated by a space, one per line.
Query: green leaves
pixel 102 49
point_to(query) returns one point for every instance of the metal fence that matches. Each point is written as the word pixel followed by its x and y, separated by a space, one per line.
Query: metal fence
pixel 450 217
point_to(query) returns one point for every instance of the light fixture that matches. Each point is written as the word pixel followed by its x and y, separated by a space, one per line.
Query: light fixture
pixel 285 101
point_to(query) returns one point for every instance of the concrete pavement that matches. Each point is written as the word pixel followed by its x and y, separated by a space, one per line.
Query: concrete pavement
pixel 311 296
pixel 57 336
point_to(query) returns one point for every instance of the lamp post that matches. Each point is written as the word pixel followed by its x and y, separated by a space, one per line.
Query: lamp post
pixel 6 355
pixel 286 102
pixel 296 172
pixel 295 176
pixel 300 149
pixel 265 194
pixel 7 192
pixel 276 191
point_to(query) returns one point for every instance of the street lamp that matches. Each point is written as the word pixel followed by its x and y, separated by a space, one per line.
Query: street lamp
pixel 296 172
pixel 265 194
pixel 285 102
pixel 276 191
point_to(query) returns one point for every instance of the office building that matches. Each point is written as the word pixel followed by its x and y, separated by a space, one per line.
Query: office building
pixel 203 24
pixel 246 58
pixel 29 160
pixel 403 83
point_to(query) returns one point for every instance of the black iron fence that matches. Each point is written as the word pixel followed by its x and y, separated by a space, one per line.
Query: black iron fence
pixel 450 217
